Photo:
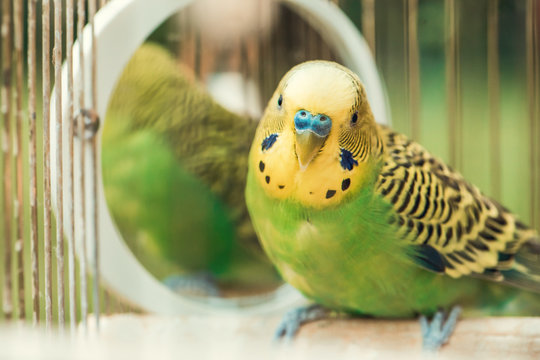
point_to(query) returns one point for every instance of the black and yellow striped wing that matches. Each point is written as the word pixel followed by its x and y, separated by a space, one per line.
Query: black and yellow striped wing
pixel 454 228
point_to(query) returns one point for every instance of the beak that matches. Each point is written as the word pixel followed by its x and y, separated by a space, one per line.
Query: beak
pixel 308 145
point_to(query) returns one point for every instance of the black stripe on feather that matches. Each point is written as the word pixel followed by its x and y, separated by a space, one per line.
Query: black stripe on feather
pixel 429 258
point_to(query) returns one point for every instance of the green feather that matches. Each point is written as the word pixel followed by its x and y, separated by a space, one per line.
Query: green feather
pixel 175 165
pixel 162 210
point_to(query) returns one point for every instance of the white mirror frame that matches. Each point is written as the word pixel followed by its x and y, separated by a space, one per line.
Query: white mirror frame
pixel 120 28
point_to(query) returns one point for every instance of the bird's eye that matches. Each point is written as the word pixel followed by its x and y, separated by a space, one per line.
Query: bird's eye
pixel 354 118
pixel 280 101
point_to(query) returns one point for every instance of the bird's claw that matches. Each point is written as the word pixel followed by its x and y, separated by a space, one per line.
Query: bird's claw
pixel 293 319
pixel 437 332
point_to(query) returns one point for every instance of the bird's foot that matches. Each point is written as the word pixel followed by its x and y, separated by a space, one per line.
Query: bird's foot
pixel 196 284
pixel 437 332
pixel 292 320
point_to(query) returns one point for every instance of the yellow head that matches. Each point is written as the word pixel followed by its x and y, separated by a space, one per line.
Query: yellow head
pixel 317 136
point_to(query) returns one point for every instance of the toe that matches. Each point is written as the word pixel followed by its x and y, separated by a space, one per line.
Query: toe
pixel 294 319
pixel 424 325
pixel 280 332
pixel 437 333
pixel 436 322
pixel 450 324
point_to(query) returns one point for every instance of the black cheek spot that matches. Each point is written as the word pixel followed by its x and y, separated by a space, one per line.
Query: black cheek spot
pixel 330 193
pixel 281 186
pixel 267 178
pixel 261 166
pixel 345 184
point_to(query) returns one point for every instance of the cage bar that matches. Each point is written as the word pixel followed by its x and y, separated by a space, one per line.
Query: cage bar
pixel 17 153
pixel 57 53
pixel 532 96
pixel 70 178
pixel 32 147
pixel 81 20
pixel 413 67
pixel 494 96
pixel 186 44
pixel 260 77
pixel 453 82
pixel 7 303
pixel 536 40
pixel 368 24
pixel 244 68
pixel 263 56
pixel 94 164
pixel 46 68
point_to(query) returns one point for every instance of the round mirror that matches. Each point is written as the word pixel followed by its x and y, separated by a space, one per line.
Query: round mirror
pixel 179 97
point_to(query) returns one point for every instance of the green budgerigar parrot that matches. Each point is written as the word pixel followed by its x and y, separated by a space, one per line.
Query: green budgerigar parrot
pixel 174 169
pixel 363 220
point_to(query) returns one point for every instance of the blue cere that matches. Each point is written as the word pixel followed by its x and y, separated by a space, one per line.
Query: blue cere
pixel 319 124
pixel 347 160
pixel 268 142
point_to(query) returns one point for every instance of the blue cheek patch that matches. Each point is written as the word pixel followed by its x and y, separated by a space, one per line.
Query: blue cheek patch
pixel 347 160
pixel 268 142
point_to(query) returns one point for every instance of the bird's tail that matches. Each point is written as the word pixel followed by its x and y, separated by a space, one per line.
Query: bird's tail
pixel 525 272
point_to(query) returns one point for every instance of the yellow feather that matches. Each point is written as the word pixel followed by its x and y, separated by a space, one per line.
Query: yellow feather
pixel 331 92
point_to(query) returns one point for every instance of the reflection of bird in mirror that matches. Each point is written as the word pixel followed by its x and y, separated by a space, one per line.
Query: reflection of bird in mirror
pixel 365 221
pixel 174 172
